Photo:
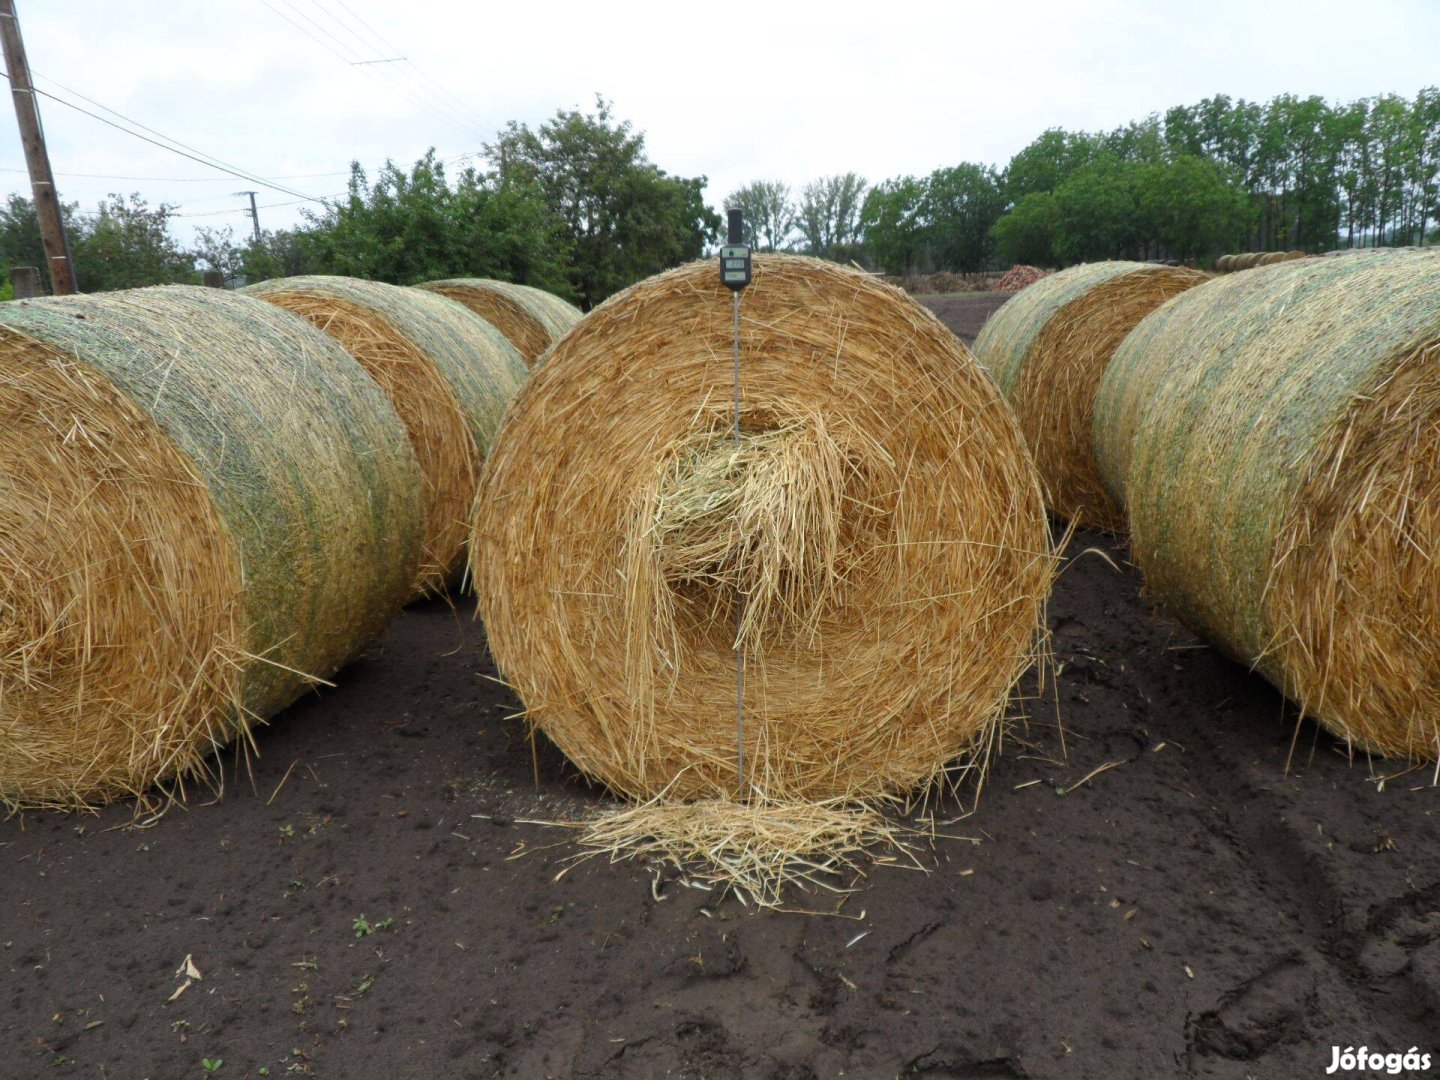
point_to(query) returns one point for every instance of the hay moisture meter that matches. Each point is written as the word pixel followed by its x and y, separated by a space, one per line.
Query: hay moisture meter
pixel 735 255
pixel 735 274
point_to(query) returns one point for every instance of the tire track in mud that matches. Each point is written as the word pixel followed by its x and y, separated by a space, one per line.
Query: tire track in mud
pixel 1258 824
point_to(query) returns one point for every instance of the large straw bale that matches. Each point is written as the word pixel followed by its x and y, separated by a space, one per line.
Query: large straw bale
pixel 1275 440
pixel 1048 349
pixel 205 507
pixel 876 545
pixel 449 374
pixel 532 319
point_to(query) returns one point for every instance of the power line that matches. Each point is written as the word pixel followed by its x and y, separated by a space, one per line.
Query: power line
pixel 225 179
pixel 213 163
pixel 386 44
pixel 184 179
pixel 262 206
pixel 347 58
pixel 155 142
pixel 204 158
pixel 387 47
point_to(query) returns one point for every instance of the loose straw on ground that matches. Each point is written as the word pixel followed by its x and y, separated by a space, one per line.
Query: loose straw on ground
pixel 532 319
pixel 881 521
pixel 1275 439
pixel 449 374
pixel 205 508
pixel 1048 348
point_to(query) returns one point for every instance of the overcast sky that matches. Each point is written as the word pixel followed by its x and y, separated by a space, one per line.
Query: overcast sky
pixel 735 92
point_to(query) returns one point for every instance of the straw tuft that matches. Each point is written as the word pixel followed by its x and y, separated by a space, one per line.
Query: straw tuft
pixel 449 374
pixel 532 319
pixel 1275 439
pixel 205 508
pixel 1048 349
pixel 757 851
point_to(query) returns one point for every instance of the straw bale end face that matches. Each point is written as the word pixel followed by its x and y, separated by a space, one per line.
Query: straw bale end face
pixel 205 506
pixel 1048 349
pixel 875 543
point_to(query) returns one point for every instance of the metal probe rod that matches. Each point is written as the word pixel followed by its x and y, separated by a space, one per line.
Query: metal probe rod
pixel 739 597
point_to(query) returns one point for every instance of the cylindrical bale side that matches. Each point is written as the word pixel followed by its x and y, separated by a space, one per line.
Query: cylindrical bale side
pixel 876 543
pixel 1224 264
pixel 532 319
pixel 1047 350
pixel 1275 439
pixel 449 374
pixel 205 507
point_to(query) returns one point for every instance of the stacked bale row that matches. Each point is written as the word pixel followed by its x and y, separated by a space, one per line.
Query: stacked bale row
pixel 1248 260
pixel 873 543
pixel 1048 348
pixel 207 506
pixel 531 318
pixel 449 374
pixel 1274 438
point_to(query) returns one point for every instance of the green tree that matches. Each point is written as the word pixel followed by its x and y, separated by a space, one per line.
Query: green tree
pixel 126 245
pixel 278 253
pixel 215 249
pixel 415 225
pixel 1140 141
pixel 829 217
pixel 1425 177
pixel 625 217
pixel 1189 208
pixel 20 243
pixel 892 222
pixel 1348 129
pixel 769 213
pixel 1026 234
pixel 1047 162
pixel 505 229
pixel 1097 212
pixel 961 206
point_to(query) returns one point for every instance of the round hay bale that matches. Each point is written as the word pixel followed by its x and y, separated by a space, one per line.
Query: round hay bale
pixel 879 534
pixel 1247 260
pixel 449 374
pixel 1275 439
pixel 1270 258
pixel 205 507
pixel 532 319
pixel 1047 350
pixel 1224 264
pixel 1292 256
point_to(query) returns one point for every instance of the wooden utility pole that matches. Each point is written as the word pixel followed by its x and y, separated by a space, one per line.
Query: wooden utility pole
pixel 32 138
pixel 253 212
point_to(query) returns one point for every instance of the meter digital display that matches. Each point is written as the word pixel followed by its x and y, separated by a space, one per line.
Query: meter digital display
pixel 735 266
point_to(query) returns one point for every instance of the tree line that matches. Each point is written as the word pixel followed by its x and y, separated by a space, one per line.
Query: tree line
pixel 576 206
pixel 1200 180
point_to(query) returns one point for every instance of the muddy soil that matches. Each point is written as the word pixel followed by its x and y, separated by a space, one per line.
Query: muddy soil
pixel 1182 884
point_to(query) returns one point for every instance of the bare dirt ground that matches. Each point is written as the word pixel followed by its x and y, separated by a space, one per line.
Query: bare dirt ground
pixel 371 901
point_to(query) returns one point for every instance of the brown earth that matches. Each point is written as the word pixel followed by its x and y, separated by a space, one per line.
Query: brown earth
pixel 1194 910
